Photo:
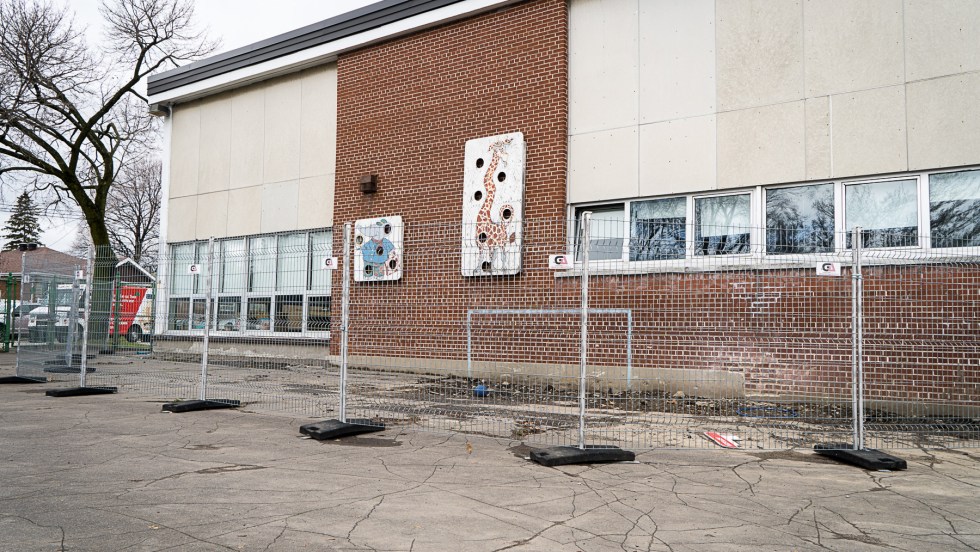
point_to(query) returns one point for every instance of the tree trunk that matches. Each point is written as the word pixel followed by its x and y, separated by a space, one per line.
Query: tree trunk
pixel 103 275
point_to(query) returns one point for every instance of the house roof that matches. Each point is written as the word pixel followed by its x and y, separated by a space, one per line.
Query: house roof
pixel 43 259
pixel 136 265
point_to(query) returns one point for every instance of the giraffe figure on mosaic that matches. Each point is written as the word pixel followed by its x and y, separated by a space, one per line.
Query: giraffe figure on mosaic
pixel 492 236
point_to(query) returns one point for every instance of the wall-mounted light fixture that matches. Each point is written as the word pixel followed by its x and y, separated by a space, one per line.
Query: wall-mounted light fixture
pixel 369 183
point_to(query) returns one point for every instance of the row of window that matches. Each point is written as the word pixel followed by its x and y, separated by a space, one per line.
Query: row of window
pixel 266 284
pixel 939 210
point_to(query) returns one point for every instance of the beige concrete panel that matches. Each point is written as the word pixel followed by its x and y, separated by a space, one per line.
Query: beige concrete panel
pixel 318 128
pixel 818 144
pixel 316 202
pixel 852 45
pixel 760 52
pixel 677 59
pixel 245 211
pixel 942 37
pixel 603 165
pixel 185 150
pixel 215 164
pixel 869 132
pixel 247 137
pixel 944 122
pixel 761 145
pixel 603 65
pixel 280 205
pixel 212 215
pixel 181 219
pixel 282 130
pixel 678 156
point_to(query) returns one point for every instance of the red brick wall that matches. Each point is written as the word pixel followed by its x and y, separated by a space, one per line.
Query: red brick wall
pixel 405 110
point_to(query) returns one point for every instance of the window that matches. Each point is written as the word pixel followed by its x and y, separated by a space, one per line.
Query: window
pixel 259 313
pixel 800 219
pixel 605 232
pixel 179 314
pixel 318 318
pixel 658 229
pixel 265 283
pixel 886 211
pixel 954 209
pixel 229 315
pixel 289 313
pixel 722 225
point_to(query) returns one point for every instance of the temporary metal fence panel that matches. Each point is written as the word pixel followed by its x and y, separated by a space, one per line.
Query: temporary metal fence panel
pixel 921 330
pixel 50 283
pixel 126 313
pixel 268 308
pixel 466 340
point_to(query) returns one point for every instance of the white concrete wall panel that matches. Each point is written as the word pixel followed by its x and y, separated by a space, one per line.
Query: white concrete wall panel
pixel 247 137
pixel 316 195
pixel 759 53
pixel 185 151
pixel 852 45
pixel 280 206
pixel 212 215
pixel 318 127
pixel 763 145
pixel 677 59
pixel 944 122
pixel 182 219
pixel 678 156
pixel 818 143
pixel 603 165
pixel 244 211
pixel 869 132
pixel 215 151
pixel 603 65
pixel 942 37
pixel 283 100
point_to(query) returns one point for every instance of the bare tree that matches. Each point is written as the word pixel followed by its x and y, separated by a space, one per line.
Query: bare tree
pixel 81 245
pixel 70 114
pixel 133 212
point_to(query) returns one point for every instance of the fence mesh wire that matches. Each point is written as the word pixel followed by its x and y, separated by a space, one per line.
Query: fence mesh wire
pixel 467 328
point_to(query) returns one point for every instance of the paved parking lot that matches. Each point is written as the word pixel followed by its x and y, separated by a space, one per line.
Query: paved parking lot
pixel 114 473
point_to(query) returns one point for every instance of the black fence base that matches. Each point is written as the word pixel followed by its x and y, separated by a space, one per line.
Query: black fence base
pixel 335 429
pixel 561 456
pixel 64 369
pixel 19 380
pixel 191 406
pixel 81 391
pixel 869 459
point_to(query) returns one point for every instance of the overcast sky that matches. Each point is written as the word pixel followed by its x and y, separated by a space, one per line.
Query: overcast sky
pixel 235 22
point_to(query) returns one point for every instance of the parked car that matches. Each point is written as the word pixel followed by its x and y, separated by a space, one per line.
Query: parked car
pixel 19 315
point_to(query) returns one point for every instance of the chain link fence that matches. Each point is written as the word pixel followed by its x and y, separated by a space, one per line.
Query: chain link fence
pixel 550 332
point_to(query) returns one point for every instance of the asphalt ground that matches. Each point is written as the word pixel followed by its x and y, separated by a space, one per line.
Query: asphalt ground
pixel 112 473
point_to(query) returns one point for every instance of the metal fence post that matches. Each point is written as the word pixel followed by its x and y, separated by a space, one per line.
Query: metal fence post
pixel 584 319
pixel 857 337
pixel 87 317
pixel 345 322
pixel 207 321
pixel 8 332
pixel 72 321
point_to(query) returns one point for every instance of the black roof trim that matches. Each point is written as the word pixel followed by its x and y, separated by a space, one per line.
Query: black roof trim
pixel 357 21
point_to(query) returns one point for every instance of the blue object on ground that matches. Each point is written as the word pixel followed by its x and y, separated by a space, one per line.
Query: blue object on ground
pixel 481 390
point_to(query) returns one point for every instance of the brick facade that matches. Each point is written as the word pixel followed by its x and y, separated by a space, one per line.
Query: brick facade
pixel 405 110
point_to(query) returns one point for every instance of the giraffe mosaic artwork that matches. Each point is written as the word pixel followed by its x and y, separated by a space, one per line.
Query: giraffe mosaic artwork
pixel 493 205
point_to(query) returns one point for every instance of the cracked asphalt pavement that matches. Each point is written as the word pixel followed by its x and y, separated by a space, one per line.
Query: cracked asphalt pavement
pixel 113 473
